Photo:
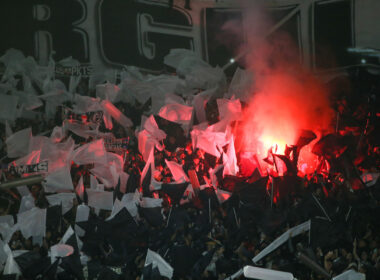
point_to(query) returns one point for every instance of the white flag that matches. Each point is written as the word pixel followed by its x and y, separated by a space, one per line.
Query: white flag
pixel 59 181
pixel 156 260
pixel 116 114
pixel 265 274
pixel 229 159
pixel 100 199
pixel 83 212
pixel 177 171
pixel 32 222
pixel 18 143
pixel 64 199
pixel 93 152
pixel 294 231
pixel 148 202
pixel 60 251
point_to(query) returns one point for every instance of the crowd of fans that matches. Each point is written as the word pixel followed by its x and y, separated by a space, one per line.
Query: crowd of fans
pixel 208 239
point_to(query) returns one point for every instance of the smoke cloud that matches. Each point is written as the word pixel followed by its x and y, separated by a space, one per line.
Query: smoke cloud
pixel 286 97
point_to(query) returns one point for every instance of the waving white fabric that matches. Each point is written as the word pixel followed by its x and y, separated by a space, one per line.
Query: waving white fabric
pixel 129 201
pixel 294 231
pixel 229 159
pixel 177 113
pixel 100 199
pixel 93 152
pixel 116 114
pixel 177 171
pixel 64 199
pixel 264 274
pixel 32 222
pixel 83 212
pixel 107 91
pixel 58 181
pixel 148 202
pixel 208 140
pixel 150 137
pixel 60 251
pixel 11 266
pixel 156 260
pixel 84 104
pixel 18 143
pixel 27 203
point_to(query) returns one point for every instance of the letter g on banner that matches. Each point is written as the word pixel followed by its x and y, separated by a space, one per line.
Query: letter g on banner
pixel 141 33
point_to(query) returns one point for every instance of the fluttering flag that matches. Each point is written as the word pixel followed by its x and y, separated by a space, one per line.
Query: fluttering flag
pixel 42 149
pixel 93 152
pixel 208 140
pixel 100 199
pixel 116 114
pixel 177 113
pixel 59 181
pixel 11 266
pixel 27 203
pixel 7 230
pixel 294 231
pixel 107 91
pixel 18 143
pixel 64 199
pixel 82 214
pixel 68 237
pixel 32 222
pixel 177 171
pixel 109 173
pixel 229 159
pixel 60 251
pixel 150 137
pixel 128 201
pixel 264 274
pixel 157 261
pixel 84 104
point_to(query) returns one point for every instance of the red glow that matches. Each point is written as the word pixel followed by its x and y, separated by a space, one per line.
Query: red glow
pixel 283 105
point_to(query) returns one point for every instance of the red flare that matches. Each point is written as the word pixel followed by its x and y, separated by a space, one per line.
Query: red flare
pixel 283 106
